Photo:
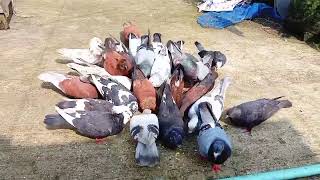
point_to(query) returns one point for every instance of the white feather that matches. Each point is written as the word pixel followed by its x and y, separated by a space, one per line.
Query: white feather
pixel 134 43
pixel 65 116
pixel 161 68
pixel 210 97
pixel 96 70
pixel 53 78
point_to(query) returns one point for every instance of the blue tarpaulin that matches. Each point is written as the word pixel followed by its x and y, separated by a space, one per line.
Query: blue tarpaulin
pixel 241 12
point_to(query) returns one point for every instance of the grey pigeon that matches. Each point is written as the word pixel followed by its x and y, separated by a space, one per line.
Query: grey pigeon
pixel 253 113
pixel 213 59
pixel 144 128
pixel 116 94
pixel 93 118
pixel 213 142
pixel 193 69
pixel 145 55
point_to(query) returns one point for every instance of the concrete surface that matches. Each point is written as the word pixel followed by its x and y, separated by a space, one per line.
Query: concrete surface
pixel 260 63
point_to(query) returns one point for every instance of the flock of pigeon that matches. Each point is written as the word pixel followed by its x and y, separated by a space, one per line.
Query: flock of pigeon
pixel 162 91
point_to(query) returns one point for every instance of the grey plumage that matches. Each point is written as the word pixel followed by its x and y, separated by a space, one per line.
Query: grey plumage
pixel 145 55
pixel 213 59
pixel 145 129
pixel 253 113
pixel 213 142
pixel 93 118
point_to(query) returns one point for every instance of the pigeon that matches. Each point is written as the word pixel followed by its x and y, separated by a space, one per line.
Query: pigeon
pixel 180 44
pixel 130 32
pixel 144 90
pixel 157 43
pixel 213 59
pixel 194 69
pixel 145 55
pixel 215 98
pixel 253 113
pixel 161 68
pixel 93 118
pixel 96 70
pixel 134 43
pixel 177 85
pixel 197 91
pixel 213 142
pixel 93 55
pixel 144 128
pixel 72 86
pixel 172 130
pixel 116 94
pixel 116 63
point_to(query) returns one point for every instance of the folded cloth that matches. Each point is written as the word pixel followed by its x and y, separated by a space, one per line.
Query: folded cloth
pixel 218 5
pixel 241 12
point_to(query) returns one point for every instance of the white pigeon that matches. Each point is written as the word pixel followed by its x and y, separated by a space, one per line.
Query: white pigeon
pixel 161 68
pixel 92 55
pixel 134 43
pixel 144 128
pixel 215 98
pixel 96 70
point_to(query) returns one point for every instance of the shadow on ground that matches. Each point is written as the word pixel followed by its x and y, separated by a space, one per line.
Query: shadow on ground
pixel 273 145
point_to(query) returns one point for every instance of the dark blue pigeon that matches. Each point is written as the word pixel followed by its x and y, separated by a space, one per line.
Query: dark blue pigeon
pixel 172 130
pixel 213 142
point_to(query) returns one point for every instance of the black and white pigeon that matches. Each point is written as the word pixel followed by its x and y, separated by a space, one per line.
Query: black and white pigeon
pixel 93 118
pixel 215 98
pixel 253 113
pixel 116 94
pixel 145 56
pixel 172 130
pixel 213 59
pixel 193 69
pixel 213 142
pixel 161 68
pixel 144 128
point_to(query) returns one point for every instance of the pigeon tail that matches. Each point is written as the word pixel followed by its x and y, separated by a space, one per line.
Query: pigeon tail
pixel 199 46
pixel 157 37
pixel 53 78
pixel 225 82
pixel 278 98
pixel 55 121
pixel 284 104
pixel 147 155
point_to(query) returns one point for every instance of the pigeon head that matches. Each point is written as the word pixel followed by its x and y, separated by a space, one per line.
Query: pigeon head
pixel 233 112
pixel 174 138
pixel 218 152
pixel 220 59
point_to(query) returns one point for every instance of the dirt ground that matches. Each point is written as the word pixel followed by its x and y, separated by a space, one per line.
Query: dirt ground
pixel 260 63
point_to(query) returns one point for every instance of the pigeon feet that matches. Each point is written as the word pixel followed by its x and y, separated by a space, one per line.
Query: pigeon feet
pixel 216 168
pixel 99 140
pixel 248 131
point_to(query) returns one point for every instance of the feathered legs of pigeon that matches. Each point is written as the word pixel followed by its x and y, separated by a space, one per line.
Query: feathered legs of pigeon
pixel 216 168
pixel 100 140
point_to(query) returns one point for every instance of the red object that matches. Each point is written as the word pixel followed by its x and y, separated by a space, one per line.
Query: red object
pixel 74 87
pixel 197 91
pixel 216 168
pixel 99 141
pixel 177 86
pixel 117 63
pixel 144 91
